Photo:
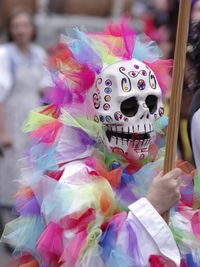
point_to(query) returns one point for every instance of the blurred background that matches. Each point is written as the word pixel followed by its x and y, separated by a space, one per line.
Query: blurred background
pixel 28 31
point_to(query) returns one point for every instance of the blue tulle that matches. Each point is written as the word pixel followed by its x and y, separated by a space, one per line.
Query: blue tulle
pixel 145 49
pixel 24 234
pixel 83 52
pixel 42 157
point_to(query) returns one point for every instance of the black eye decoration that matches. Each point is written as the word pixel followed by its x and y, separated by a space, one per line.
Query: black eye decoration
pixel 151 102
pixel 129 107
pixel 152 80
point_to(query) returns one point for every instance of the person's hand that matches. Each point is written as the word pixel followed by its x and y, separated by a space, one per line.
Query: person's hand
pixel 164 191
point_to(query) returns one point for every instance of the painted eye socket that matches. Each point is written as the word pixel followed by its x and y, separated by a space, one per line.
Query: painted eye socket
pixel 108 82
pixel 132 74
pixel 151 102
pixel 129 107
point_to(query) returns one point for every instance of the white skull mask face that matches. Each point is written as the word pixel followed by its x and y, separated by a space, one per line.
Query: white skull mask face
pixel 127 99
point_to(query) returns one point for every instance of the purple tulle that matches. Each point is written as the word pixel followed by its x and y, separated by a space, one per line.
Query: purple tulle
pixel 85 139
pixel 27 206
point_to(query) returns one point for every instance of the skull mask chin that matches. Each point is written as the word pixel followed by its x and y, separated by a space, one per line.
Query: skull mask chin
pixel 127 99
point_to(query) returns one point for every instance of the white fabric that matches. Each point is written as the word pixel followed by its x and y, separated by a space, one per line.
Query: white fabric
pixel 5 75
pixel 195 132
pixel 12 60
pixel 21 81
pixel 154 236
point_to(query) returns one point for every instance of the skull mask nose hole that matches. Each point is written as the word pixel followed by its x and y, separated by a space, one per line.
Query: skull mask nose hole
pixel 151 102
pixel 129 107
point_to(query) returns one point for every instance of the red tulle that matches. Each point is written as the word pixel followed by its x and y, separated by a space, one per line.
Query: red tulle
pixel 159 261
pixel 23 261
pixel 56 175
pixel 78 222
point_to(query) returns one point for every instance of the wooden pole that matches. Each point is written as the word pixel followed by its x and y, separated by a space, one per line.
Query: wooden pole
pixel 177 85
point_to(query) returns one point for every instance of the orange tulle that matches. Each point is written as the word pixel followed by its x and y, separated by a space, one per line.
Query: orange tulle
pixel 186 167
pixel 113 176
pixel 26 191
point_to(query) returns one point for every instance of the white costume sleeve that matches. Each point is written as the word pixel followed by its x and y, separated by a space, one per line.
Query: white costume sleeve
pixel 155 237
pixel 5 75
pixel 195 132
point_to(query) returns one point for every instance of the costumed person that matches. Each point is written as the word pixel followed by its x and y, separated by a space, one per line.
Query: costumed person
pixel 194 110
pixel 22 79
pixel 93 192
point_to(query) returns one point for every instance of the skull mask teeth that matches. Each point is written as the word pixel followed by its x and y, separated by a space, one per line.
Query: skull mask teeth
pixel 127 99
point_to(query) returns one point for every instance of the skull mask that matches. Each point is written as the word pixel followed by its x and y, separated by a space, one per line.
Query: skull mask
pixel 127 99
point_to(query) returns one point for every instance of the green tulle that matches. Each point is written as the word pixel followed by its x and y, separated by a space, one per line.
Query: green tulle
pixel 185 240
pixel 36 120
pixel 92 128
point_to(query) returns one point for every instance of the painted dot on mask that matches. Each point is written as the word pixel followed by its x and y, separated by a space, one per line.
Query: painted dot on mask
pixel 144 73
pixel 108 82
pixel 96 119
pixel 133 74
pixel 102 119
pixel 109 119
pixel 107 98
pixel 106 106
pixel 118 116
pixel 136 67
pixel 141 84
pixel 96 101
pixel 161 111
pixel 125 119
pixel 108 90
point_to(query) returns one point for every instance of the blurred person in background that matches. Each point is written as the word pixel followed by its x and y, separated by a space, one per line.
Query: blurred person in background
pixel 160 24
pixel 193 81
pixel 22 80
pixel 190 85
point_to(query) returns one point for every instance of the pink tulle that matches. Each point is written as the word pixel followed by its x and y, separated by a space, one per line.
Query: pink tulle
pixel 50 243
pixel 47 133
pixel 75 77
pixel 162 70
pixel 73 249
pixel 196 224
pixel 125 33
